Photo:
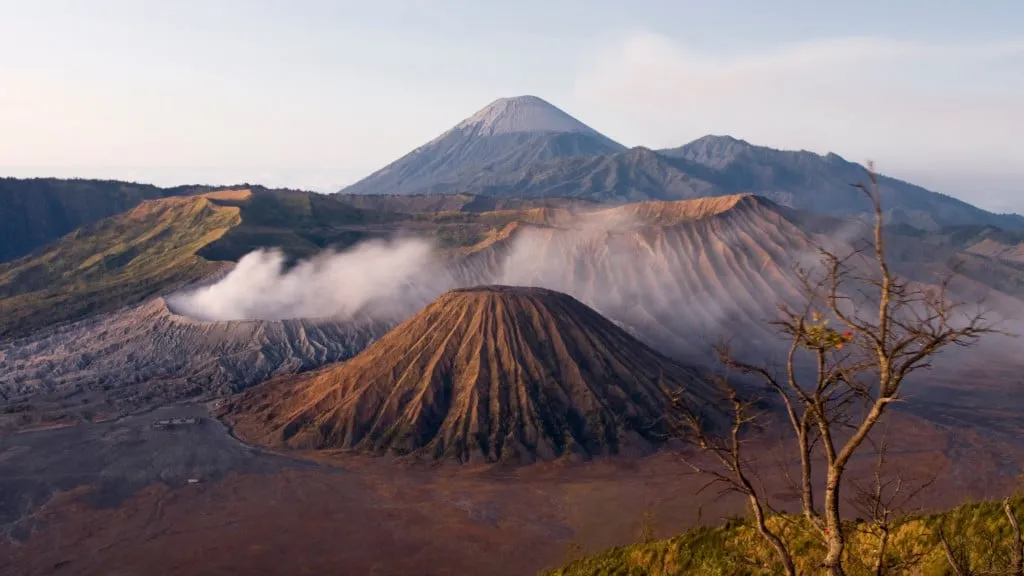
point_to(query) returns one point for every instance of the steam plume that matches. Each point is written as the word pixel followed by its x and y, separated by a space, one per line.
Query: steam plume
pixel 377 278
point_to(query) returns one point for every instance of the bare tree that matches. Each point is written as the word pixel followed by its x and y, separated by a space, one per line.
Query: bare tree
pixel 956 556
pixel 839 382
pixel 884 501
pixel 1016 544
pixel 729 467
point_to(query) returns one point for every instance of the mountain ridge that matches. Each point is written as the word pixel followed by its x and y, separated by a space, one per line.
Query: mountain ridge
pixel 37 211
pixel 824 183
pixel 499 152
pixel 114 262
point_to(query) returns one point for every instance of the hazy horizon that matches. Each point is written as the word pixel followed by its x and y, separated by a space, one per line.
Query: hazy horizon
pixel 318 94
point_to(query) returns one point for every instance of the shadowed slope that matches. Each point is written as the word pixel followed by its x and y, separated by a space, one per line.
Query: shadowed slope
pixel 36 211
pixel 482 374
pixel 112 263
pixel 634 175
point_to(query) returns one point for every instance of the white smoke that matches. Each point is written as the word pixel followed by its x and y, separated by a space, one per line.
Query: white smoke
pixel 660 285
pixel 681 289
pixel 378 278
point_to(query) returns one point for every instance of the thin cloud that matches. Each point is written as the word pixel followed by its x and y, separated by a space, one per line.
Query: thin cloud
pixel 913 106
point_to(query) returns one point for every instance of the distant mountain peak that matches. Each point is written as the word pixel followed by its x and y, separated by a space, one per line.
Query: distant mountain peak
pixel 714 142
pixel 713 150
pixel 641 155
pixel 503 137
pixel 523 114
pixel 641 151
pixel 719 139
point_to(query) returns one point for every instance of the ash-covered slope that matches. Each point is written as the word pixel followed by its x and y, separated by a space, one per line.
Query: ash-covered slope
pixel 679 275
pixel 503 137
pixel 148 355
pixel 483 374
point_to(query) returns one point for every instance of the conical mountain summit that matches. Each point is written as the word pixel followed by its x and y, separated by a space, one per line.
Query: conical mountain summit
pixel 503 137
pixel 525 114
pixel 486 374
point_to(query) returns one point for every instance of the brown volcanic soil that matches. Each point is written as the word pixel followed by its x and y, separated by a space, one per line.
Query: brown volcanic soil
pixel 481 375
pixel 362 515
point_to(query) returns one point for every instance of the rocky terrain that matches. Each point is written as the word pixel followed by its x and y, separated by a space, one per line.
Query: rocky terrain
pixel 93 359
pixel 679 276
pixel 493 373
pixel 722 261
pixel 147 356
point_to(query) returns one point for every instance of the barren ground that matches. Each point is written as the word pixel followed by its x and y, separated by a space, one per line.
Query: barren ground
pixel 114 498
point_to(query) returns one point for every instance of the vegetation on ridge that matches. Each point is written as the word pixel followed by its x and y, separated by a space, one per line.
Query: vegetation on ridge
pixel 112 263
pixel 162 243
pixel 36 211
pixel 980 537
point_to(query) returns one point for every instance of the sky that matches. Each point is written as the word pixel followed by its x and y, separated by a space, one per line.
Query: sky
pixel 316 94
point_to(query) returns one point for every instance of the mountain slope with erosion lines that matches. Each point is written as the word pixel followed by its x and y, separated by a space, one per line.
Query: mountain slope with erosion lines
pixel 485 374
pixel 503 137
pixel 679 276
pixel 809 181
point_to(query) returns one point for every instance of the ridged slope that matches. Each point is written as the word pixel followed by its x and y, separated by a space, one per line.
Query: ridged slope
pixel 634 175
pixel 113 263
pixel 483 374
pixel 147 354
pixel 681 275
pixel 503 137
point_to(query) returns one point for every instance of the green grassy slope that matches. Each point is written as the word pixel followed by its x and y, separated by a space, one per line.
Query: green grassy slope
pixel 112 263
pixel 980 530
pixel 300 223
pixel 163 243
pixel 36 211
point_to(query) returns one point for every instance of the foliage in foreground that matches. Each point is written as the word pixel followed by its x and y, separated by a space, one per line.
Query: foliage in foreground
pixel 979 534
